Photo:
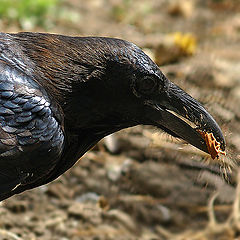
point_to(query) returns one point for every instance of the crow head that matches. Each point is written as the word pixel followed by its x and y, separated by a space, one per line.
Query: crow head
pixel 126 88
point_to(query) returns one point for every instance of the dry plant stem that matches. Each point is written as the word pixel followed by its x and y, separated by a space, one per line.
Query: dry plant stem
pixel 213 226
pixel 211 215
pixel 165 233
pixel 235 216
pixel 9 235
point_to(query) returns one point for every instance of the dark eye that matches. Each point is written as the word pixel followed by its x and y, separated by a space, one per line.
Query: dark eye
pixel 147 85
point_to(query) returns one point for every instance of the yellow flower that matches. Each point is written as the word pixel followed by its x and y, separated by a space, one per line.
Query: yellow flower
pixel 186 42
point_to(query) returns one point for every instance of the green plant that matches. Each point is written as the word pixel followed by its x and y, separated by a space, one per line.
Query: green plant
pixel 122 11
pixel 28 13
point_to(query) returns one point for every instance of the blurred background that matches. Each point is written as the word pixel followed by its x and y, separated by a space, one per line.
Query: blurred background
pixel 142 184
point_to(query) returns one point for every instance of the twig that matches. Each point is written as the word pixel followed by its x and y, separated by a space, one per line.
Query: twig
pixel 211 214
pixel 6 233
pixel 235 216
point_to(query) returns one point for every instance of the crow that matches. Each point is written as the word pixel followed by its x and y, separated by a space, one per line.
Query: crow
pixel 59 95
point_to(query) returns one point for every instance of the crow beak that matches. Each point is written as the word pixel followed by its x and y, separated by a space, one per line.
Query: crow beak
pixel 182 116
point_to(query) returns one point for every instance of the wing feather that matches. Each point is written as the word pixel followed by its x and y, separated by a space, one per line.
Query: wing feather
pixel 31 138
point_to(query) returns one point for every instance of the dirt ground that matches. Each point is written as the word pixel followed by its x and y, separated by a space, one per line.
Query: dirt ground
pixel 153 187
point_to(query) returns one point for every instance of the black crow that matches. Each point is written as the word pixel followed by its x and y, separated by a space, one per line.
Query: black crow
pixel 60 95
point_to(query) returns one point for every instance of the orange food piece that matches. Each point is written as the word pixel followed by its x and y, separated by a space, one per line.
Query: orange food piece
pixel 213 146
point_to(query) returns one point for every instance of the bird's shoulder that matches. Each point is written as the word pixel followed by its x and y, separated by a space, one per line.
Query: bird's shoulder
pixel 31 133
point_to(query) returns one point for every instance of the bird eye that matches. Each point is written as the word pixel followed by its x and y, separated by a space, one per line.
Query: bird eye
pixel 147 85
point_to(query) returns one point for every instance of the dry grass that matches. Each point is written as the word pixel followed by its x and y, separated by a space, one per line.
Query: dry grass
pixel 228 230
